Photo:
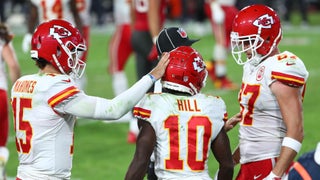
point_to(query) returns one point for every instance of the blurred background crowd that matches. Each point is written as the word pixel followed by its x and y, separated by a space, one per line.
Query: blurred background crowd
pixel 183 11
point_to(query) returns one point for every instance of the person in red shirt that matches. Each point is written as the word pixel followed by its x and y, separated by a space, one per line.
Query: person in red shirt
pixel 147 20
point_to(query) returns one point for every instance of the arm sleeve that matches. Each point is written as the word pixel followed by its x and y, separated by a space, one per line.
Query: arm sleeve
pixel 99 108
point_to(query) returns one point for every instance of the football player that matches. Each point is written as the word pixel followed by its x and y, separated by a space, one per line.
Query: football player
pixel 271 95
pixel 83 8
pixel 8 59
pixel 73 11
pixel 221 14
pixel 120 46
pixel 120 50
pixel 45 104
pixel 41 11
pixel 181 125
pixel 147 19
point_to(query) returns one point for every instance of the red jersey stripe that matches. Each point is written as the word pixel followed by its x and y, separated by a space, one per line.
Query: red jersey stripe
pixel 288 79
pixel 56 99
pixel 140 112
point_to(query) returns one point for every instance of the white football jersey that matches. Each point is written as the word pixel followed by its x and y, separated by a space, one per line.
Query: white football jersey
pixel 54 9
pixel 44 134
pixel 121 12
pixel 185 126
pixel 262 127
pixel 3 76
pixel 227 2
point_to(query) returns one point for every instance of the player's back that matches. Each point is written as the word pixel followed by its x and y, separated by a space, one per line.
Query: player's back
pixel 185 126
pixel 44 137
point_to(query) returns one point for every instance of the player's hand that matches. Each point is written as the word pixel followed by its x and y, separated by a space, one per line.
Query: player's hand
pixel 153 54
pixel 272 176
pixel 233 121
pixel 160 69
pixel 236 156
pixel 26 42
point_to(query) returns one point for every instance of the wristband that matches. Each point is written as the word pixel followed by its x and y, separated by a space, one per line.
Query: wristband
pixel 272 176
pixel 152 78
pixel 291 143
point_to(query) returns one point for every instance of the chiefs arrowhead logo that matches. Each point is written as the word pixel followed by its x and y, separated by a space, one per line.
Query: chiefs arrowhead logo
pixel 260 73
pixel 198 64
pixel 59 32
pixel 264 21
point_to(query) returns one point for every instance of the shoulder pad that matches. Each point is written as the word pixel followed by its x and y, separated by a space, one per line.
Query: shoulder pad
pixel 289 69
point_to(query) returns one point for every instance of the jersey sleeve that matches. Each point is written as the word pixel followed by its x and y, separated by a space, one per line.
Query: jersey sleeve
pixel 93 107
pixel 151 109
pixel 60 92
pixel 222 111
pixel 290 70
pixel 142 110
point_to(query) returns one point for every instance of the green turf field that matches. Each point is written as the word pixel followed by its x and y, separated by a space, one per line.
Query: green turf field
pixel 101 150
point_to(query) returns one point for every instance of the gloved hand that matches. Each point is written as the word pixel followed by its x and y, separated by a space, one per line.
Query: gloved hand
pixel 217 13
pixel 153 54
pixel 26 42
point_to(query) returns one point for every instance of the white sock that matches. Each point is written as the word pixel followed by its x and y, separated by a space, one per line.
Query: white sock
pixel 220 69
pixel 4 154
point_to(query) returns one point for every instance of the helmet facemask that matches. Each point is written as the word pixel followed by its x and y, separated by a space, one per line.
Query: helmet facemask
pixel 61 44
pixel 256 32
pixel 240 45
pixel 74 62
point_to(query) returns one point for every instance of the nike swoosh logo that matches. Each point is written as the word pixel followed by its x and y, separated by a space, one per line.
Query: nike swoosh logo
pixel 67 80
pixel 256 177
pixel 290 63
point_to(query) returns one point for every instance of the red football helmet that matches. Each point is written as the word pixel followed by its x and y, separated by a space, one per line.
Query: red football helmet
pixel 256 30
pixel 61 44
pixel 186 71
